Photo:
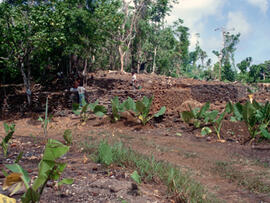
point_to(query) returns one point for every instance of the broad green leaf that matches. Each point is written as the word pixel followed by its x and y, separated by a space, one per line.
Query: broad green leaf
pixel 265 133
pixel 39 181
pixel 66 181
pixel 140 107
pixel 238 111
pixel 58 171
pixel 136 177
pixel 210 116
pixel 130 104
pixel 16 168
pixel 220 118
pixel 54 150
pixel 100 110
pixel 229 107
pixel 186 116
pixel 206 131
pixel 203 109
pixel 160 112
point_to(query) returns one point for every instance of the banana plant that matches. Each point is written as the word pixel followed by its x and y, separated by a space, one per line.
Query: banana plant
pixel 143 110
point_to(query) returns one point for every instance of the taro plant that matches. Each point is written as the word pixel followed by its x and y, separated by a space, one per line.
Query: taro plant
pixel 216 119
pixel 9 129
pixel 195 115
pixel 118 108
pixel 255 115
pixel 49 169
pixel 143 110
pixel 45 122
pixel 83 111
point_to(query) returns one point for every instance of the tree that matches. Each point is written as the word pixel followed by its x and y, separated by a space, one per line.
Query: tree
pixel 28 30
pixel 226 55
pixel 244 65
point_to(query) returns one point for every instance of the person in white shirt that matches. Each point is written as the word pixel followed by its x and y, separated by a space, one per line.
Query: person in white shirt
pixel 134 80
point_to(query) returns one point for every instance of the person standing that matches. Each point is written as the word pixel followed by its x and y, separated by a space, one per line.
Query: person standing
pixel 81 92
pixel 134 80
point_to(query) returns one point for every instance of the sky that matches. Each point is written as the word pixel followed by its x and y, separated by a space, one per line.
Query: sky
pixel 250 18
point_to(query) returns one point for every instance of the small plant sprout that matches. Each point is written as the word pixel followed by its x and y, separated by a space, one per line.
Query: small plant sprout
pixel 9 130
pixel 46 120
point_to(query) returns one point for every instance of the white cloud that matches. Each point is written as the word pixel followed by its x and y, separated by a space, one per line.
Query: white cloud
pixel 262 4
pixel 192 11
pixel 238 21
pixel 195 13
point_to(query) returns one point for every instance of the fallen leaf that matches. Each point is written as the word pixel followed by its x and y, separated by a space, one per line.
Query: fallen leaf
pixel 4 198
pixel 14 183
pixel 85 159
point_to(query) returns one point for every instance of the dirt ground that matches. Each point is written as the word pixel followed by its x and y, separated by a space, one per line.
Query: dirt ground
pixel 219 167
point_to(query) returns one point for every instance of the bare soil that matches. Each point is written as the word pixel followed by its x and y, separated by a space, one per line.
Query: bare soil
pixel 167 139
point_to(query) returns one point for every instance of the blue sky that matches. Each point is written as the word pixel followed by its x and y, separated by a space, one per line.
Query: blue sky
pixel 249 17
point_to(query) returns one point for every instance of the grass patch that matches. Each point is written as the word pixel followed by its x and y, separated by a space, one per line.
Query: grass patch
pixel 178 183
pixel 245 179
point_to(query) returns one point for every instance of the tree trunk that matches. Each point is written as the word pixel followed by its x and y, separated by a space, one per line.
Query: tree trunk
pixel 154 62
pixel 122 55
pixel 26 81
pixel 84 73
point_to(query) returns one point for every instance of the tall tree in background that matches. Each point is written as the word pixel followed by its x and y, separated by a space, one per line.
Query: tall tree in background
pixel 226 55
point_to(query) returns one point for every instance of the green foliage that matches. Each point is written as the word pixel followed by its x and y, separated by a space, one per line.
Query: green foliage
pixel 136 177
pixel 9 130
pixel 227 73
pixel 146 168
pixel 218 120
pixel 83 111
pixel 143 109
pixel 49 169
pixel 68 136
pixel 206 131
pixel 195 115
pixel 255 115
pixel 117 108
pixel 105 154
